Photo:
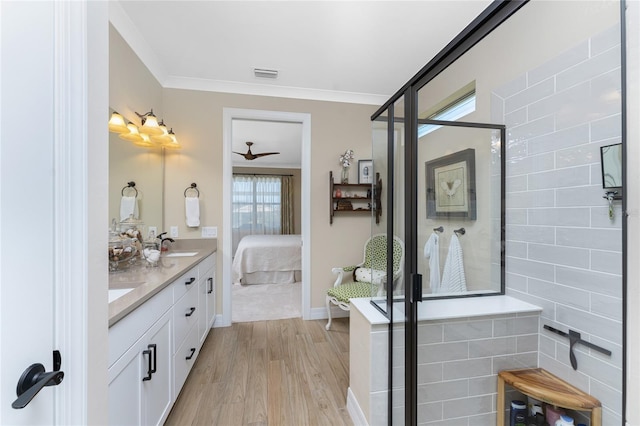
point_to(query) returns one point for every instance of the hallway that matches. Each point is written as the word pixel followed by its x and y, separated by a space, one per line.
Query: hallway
pixel 283 372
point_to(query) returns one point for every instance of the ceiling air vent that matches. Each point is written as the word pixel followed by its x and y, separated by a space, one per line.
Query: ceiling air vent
pixel 265 73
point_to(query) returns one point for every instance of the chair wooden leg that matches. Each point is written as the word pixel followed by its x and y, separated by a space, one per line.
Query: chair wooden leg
pixel 328 302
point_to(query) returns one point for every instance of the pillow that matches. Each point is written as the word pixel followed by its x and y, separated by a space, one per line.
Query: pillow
pixel 372 276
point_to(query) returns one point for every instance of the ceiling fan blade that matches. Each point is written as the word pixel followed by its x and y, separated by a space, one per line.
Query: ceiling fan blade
pixel 262 154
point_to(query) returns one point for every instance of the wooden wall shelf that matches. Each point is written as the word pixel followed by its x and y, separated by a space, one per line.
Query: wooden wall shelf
pixel 354 198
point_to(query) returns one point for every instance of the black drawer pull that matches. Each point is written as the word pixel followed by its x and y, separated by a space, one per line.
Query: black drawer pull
pixel 191 280
pixel 210 279
pixel 193 351
pixel 191 311
pixel 148 377
pixel 155 357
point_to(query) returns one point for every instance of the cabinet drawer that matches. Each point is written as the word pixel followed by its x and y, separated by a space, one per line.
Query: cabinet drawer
pixel 185 283
pixel 185 315
pixel 183 360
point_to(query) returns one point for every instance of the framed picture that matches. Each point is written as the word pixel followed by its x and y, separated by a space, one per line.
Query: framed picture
pixel 365 171
pixel 451 186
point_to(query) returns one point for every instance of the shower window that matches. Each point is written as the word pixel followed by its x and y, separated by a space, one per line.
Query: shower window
pixel 462 106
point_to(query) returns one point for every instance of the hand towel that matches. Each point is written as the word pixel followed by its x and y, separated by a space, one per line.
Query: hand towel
pixel 128 207
pixel 192 211
pixel 432 252
pixel 453 279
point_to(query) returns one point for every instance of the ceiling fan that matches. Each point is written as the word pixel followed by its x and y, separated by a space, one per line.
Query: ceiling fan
pixel 251 156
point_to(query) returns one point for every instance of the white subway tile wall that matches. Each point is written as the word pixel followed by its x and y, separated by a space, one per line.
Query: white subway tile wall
pixel 563 252
pixel 458 364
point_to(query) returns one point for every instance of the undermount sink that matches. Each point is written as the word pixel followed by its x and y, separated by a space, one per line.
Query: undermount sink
pixel 182 254
pixel 117 293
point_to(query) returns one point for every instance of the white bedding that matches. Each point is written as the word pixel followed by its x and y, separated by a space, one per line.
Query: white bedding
pixel 266 253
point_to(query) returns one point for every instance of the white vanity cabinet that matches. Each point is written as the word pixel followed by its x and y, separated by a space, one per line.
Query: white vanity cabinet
pixel 140 391
pixel 153 348
pixel 207 297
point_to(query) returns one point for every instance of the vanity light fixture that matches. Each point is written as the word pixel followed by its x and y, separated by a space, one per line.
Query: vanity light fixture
pixel 117 123
pixel 150 134
pixel 174 144
pixel 164 137
pixel 132 134
pixel 150 124
pixel 145 141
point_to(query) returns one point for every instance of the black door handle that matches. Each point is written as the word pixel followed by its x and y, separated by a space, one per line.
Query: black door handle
pixel 191 280
pixel 193 351
pixel 191 311
pixel 210 285
pixel 34 378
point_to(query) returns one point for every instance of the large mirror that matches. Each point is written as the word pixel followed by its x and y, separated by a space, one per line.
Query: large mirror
pixel 145 167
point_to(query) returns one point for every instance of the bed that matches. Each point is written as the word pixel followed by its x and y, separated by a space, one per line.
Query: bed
pixel 268 259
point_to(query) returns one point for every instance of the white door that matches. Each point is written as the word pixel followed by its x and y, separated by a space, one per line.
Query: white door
pixel 44 294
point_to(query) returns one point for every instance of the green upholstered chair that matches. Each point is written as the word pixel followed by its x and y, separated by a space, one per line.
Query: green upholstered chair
pixel 369 277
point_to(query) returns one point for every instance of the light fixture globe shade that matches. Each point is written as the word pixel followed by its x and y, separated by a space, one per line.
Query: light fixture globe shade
pixel 150 126
pixel 174 144
pixel 144 141
pixel 117 124
pixel 133 135
pixel 163 138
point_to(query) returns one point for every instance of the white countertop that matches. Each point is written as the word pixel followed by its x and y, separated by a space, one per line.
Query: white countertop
pixel 444 309
pixel 145 282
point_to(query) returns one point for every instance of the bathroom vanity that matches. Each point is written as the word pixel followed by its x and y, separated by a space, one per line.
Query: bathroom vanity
pixel 156 329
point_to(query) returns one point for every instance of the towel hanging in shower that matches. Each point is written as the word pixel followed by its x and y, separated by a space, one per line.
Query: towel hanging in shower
pixel 453 279
pixel 432 252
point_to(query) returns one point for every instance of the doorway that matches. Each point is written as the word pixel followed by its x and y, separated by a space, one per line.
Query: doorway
pixel 231 115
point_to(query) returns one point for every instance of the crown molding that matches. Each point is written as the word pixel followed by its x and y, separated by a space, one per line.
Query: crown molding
pixel 256 89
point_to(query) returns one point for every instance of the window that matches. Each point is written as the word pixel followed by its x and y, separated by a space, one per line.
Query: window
pixel 256 206
pixel 452 112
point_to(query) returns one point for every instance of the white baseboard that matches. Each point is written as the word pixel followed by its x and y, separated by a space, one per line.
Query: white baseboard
pixel 219 322
pixel 314 314
pixel 321 313
pixel 353 408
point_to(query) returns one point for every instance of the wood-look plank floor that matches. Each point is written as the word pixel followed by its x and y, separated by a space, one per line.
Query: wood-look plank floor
pixel 271 373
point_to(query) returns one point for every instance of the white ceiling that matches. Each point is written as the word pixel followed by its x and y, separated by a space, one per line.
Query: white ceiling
pixel 267 136
pixel 343 51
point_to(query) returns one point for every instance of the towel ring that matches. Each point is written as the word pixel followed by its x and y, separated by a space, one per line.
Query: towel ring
pixel 460 231
pixel 193 187
pixel 131 185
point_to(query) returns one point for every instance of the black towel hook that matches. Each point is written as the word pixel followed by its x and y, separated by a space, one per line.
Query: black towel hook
pixel 439 229
pixel 460 231
pixel 194 187
pixel 131 185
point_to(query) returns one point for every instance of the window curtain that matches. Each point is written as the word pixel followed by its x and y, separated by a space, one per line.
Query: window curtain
pixel 256 206
pixel 287 205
